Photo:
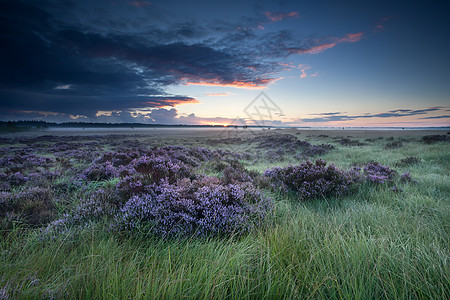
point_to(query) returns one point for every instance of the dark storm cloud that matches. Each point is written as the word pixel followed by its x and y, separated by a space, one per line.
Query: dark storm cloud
pixel 71 67
pixel 79 57
pixel 336 116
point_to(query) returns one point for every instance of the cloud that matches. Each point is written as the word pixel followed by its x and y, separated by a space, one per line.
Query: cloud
pixel 437 117
pixel 79 58
pixel 350 38
pixel 275 17
pixel 303 69
pixel 63 87
pixel 317 46
pixel 220 94
pixel 380 25
pixel 337 116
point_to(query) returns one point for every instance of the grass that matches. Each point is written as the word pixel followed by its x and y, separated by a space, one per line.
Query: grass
pixel 375 244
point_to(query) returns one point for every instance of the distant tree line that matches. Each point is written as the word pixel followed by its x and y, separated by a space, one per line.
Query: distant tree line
pixel 45 124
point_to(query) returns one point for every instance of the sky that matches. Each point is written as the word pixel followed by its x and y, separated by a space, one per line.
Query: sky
pixel 279 63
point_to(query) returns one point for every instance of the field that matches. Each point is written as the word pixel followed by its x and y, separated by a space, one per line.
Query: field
pixel 225 213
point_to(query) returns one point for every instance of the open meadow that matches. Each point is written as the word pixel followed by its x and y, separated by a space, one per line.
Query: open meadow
pixel 225 213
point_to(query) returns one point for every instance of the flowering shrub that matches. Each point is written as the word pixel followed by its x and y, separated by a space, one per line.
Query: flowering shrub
pixel 102 202
pixel 97 172
pixel 311 180
pixel 394 145
pixel 19 163
pixel 406 177
pixel 377 173
pixel 131 185
pixel 431 139
pixel 154 168
pixel 410 160
pixel 202 207
pixel 118 158
pixel 350 142
pixel 80 155
pixel 33 204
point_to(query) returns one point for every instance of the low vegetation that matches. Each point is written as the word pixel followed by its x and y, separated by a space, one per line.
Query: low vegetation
pixel 268 216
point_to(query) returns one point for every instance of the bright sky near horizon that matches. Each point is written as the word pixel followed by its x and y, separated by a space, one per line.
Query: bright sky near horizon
pixel 320 63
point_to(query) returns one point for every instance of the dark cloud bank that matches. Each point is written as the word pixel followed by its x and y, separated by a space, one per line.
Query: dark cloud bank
pixel 79 57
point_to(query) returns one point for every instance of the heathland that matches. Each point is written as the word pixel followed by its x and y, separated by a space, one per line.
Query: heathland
pixel 224 213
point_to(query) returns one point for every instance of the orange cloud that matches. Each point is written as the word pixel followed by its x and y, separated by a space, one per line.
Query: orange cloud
pixel 351 38
pixel 287 66
pixel 44 113
pixel 348 38
pixel 171 102
pixel 303 69
pixel 318 49
pixel 260 84
pixel 278 17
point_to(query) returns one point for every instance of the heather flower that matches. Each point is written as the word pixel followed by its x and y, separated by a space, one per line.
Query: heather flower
pixel 377 173
pixel 311 180
pixel 410 160
pixel 155 168
pixel 406 177
pixel 396 189
pixel 202 207
pixel 96 172
pixel 33 203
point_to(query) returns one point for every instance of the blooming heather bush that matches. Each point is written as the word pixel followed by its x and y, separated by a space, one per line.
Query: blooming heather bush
pixel 97 172
pixel 236 174
pixel 34 204
pixel 201 207
pixel 409 161
pixel 431 139
pixel 118 158
pixel 189 156
pixel 131 185
pixel 406 177
pixel 154 168
pixel 350 142
pixel 311 180
pixel 394 145
pixel 19 163
pixel 100 203
pixel 377 173
pixel 80 155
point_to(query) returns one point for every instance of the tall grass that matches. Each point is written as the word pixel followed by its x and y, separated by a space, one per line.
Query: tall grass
pixel 375 244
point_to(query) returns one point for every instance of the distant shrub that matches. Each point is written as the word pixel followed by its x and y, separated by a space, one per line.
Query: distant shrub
pixel 131 185
pixel 236 174
pixel 24 162
pixel 406 177
pixel 118 158
pixel 100 203
pixel 311 180
pixel 203 207
pixel 394 145
pixel 154 168
pixel 377 173
pixel 33 205
pixel 97 172
pixel 349 142
pixel 411 160
pixel 431 139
